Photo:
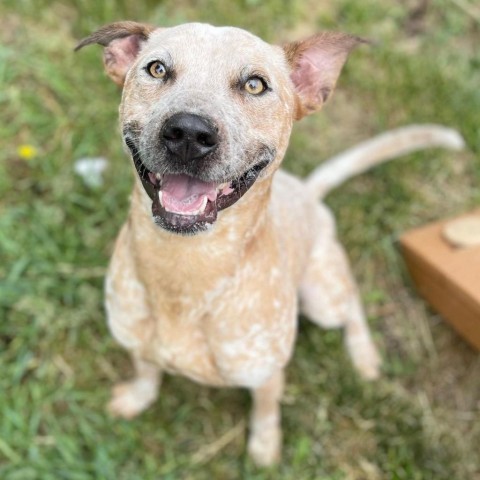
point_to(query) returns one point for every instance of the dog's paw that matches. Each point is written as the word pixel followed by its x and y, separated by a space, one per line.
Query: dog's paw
pixel 264 447
pixel 365 358
pixel 131 398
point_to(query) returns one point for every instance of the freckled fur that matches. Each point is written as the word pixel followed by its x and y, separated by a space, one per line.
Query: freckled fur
pixel 220 307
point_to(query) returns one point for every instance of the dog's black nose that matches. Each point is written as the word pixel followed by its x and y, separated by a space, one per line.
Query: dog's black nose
pixel 189 136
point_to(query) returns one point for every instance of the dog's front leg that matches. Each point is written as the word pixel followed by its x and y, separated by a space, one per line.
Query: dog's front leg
pixel 265 440
pixel 133 397
pixel 130 320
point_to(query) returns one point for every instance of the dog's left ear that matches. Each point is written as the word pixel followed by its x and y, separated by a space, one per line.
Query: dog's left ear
pixel 122 42
pixel 316 64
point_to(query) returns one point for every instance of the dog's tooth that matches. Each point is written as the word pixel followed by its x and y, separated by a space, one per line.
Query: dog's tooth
pixel 223 186
pixel 159 177
pixel 204 204
pixel 201 209
pixel 160 195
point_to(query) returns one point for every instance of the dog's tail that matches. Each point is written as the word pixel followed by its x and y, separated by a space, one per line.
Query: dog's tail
pixel 378 150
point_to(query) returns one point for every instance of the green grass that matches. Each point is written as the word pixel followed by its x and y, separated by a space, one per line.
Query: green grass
pixel 421 421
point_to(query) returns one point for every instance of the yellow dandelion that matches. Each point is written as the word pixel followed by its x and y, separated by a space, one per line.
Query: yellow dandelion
pixel 27 152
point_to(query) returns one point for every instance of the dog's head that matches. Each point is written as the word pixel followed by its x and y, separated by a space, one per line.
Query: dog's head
pixel 207 111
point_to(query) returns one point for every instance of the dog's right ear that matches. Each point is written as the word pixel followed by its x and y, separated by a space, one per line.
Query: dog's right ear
pixel 122 42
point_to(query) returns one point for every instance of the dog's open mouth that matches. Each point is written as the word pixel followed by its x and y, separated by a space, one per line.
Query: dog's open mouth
pixel 187 205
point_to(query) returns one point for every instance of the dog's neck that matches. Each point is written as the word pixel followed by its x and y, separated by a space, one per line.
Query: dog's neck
pixel 166 261
pixel 237 230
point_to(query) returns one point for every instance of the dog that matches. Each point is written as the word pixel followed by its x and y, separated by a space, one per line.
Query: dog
pixel 222 249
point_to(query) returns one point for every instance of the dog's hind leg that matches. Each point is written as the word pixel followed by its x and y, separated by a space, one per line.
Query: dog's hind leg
pixel 329 297
pixel 265 440
pixel 130 321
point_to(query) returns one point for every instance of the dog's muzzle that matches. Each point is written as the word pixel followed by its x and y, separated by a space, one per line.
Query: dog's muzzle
pixel 181 202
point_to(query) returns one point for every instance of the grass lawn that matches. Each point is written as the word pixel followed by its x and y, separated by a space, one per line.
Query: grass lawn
pixel 57 360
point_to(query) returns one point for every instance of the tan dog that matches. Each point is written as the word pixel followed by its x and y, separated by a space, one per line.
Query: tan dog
pixel 209 288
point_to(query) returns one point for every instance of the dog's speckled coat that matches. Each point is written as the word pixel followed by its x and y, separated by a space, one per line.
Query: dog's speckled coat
pixel 220 307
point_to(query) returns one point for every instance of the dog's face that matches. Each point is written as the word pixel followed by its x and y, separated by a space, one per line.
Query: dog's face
pixel 203 125
pixel 207 111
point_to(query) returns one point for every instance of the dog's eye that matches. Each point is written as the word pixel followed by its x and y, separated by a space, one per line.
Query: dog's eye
pixel 255 85
pixel 157 69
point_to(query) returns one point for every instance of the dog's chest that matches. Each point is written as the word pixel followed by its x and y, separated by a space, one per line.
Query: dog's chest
pixel 237 333
pixel 218 312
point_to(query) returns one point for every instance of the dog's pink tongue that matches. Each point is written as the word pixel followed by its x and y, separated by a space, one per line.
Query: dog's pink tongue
pixel 186 195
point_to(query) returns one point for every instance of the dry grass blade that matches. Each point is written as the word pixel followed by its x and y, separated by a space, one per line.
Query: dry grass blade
pixel 209 451
pixel 468 9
